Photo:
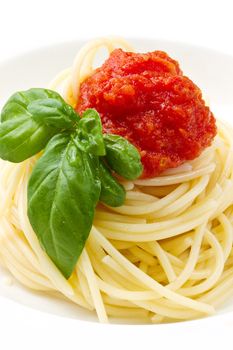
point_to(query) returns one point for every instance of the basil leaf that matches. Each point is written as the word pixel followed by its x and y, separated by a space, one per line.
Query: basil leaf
pixel 123 157
pixel 90 133
pixel 18 102
pixel 112 193
pixel 54 113
pixel 27 122
pixel 63 191
pixel 22 137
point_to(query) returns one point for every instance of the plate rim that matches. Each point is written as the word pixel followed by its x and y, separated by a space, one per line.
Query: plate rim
pixel 54 44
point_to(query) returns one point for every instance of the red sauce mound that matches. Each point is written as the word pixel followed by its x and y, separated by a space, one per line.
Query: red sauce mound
pixel 146 99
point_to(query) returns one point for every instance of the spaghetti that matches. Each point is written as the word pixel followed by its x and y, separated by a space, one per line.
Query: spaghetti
pixel 165 255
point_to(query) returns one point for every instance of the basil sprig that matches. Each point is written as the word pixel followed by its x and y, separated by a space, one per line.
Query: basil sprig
pixel 74 172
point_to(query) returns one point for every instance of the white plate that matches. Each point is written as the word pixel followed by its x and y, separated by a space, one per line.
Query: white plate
pixel 213 73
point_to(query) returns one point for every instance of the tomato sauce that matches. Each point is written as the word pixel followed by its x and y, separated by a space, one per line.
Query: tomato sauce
pixel 147 99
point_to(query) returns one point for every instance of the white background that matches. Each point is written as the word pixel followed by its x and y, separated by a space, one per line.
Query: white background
pixel 25 25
